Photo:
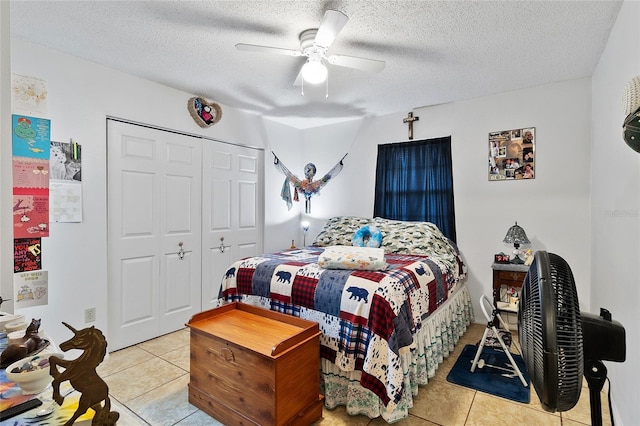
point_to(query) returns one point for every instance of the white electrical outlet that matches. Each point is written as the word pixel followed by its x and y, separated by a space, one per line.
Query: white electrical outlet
pixel 90 315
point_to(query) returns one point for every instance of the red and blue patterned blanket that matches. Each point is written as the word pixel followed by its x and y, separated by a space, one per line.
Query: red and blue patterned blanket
pixel 366 317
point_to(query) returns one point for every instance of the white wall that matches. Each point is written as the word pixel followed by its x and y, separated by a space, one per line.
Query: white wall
pixel 553 208
pixel 615 207
pixel 6 215
pixel 80 97
pixel 323 146
pixel 281 224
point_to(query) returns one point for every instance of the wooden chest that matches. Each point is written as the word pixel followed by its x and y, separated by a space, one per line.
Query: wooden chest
pixel 252 366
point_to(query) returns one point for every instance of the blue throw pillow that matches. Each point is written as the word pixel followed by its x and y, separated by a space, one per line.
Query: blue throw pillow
pixel 367 236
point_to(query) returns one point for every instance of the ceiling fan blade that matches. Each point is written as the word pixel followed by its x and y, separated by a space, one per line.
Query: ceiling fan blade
pixel 371 65
pixel 331 25
pixel 267 49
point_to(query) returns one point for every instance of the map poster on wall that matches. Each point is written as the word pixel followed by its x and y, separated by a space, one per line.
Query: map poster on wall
pixel 30 289
pixel 512 154
pixel 26 254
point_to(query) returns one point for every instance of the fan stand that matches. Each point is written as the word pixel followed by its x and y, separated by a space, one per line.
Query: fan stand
pixel 596 374
pixel 485 301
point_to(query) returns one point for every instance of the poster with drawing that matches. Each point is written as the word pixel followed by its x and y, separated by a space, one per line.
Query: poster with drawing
pixel 30 197
pixel 65 186
pixel 30 173
pixel 30 137
pixel 30 289
pixel 29 95
pixel 30 147
pixel 30 215
pixel 27 254
pixel 512 154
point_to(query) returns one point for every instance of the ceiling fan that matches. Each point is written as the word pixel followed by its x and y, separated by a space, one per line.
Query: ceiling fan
pixel 314 44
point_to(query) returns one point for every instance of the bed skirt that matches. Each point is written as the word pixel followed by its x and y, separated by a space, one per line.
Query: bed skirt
pixel 434 342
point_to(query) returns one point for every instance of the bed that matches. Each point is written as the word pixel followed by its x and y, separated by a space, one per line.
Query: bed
pixel 388 316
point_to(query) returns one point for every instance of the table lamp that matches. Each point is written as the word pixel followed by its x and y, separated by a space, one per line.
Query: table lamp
pixel 516 236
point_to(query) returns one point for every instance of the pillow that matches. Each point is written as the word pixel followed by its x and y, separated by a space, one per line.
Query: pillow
pixel 422 238
pixel 348 257
pixel 339 231
pixel 367 236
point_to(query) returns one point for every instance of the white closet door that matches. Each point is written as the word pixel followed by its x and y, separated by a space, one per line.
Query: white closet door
pixel 154 235
pixel 233 212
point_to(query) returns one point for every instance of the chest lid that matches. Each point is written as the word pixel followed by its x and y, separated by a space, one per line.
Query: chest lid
pixel 266 332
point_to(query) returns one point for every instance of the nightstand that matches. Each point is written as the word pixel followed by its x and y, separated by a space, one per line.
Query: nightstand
pixel 507 275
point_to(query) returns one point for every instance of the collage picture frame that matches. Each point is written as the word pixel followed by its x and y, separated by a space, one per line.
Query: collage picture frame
pixel 512 154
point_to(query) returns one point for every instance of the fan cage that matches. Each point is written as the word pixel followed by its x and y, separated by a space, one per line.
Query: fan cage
pixel 551 332
pixel 631 98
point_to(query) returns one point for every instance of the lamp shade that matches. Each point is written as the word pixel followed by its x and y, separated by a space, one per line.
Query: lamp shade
pixel 516 236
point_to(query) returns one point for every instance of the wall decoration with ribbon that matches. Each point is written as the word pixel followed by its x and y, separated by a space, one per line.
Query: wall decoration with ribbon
pixel 308 187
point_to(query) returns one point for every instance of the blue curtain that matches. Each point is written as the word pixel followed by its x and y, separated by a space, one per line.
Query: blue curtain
pixel 414 181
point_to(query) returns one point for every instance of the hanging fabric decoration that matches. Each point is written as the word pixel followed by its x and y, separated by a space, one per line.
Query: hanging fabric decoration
pixel 286 194
pixel 308 187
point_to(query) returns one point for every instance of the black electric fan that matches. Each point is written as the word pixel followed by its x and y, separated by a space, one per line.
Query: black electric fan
pixel 560 344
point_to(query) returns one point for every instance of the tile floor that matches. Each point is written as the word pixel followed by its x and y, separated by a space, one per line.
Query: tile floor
pixel 148 386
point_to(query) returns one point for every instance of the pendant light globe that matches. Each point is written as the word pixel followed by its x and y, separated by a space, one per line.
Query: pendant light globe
pixel 314 71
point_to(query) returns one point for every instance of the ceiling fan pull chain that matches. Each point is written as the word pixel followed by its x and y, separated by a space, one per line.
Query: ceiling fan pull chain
pixel 326 85
pixel 302 90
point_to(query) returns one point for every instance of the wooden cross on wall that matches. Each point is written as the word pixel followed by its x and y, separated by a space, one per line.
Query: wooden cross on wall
pixel 409 120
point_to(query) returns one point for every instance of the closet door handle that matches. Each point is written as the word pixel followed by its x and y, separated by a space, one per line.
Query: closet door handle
pixel 181 251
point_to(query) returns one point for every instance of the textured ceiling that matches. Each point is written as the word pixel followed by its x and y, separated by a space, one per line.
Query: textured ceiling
pixel 435 51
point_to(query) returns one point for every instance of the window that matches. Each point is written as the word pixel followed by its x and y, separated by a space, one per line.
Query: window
pixel 414 181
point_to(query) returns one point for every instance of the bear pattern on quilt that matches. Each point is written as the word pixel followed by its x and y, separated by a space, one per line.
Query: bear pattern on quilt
pixel 367 317
pixel 375 312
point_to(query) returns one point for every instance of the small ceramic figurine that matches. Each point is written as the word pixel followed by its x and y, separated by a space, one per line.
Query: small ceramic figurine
pixel 528 257
pixel 30 344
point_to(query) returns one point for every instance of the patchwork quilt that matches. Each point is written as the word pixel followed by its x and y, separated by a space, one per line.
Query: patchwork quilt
pixel 367 318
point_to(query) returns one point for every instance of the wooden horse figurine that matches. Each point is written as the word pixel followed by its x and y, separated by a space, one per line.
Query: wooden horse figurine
pixel 81 374
pixel 27 345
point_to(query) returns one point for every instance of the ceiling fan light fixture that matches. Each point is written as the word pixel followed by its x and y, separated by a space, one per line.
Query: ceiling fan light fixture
pixel 314 71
